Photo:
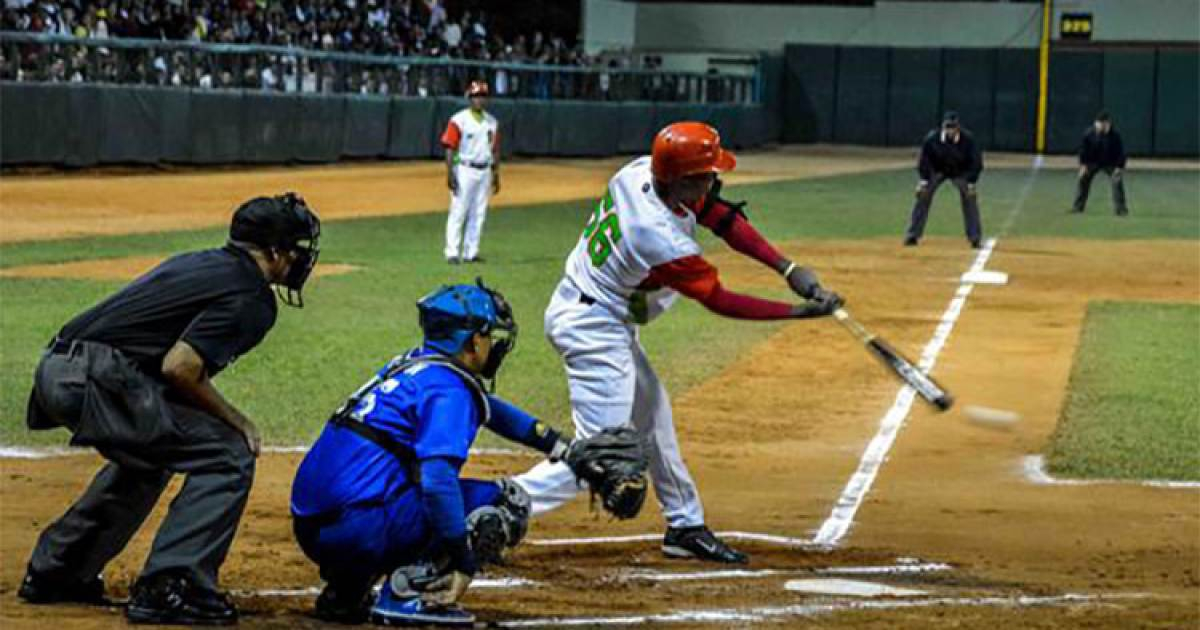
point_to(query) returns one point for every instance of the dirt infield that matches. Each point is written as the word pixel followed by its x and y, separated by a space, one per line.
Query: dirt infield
pixel 772 440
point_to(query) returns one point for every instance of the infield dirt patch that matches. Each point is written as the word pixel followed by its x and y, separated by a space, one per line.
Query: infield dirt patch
pixel 773 439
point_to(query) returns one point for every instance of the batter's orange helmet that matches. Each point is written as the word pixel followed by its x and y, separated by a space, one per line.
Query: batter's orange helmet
pixel 688 148
pixel 477 88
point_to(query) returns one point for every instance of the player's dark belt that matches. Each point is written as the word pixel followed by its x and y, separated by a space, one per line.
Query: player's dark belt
pixel 586 299
pixel 477 165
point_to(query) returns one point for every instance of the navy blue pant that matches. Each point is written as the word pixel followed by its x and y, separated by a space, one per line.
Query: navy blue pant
pixel 367 541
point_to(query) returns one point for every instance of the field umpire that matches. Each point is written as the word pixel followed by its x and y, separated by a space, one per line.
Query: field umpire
pixel 948 153
pixel 131 378
pixel 1101 150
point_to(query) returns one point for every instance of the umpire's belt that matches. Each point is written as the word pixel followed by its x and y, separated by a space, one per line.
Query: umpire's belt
pixel 477 165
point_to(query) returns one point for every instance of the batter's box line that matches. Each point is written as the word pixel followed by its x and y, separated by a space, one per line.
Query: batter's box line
pixel 1033 468
pixel 736 535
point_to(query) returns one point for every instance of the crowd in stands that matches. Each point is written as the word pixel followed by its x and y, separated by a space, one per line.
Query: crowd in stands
pixel 422 28
pixel 401 28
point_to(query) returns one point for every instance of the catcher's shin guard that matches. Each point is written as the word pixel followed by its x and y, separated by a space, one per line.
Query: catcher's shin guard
pixel 493 528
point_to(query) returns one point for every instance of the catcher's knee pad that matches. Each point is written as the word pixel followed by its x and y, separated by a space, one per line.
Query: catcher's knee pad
pixel 493 528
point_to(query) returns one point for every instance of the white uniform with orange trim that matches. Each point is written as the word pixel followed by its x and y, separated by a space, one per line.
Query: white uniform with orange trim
pixel 592 322
pixel 474 138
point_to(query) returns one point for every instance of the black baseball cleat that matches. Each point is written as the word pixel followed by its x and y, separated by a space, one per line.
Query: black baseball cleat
pixel 341 605
pixel 976 244
pixel 453 260
pixel 700 543
pixel 40 588
pixel 472 261
pixel 174 600
pixel 910 242
pixel 1123 212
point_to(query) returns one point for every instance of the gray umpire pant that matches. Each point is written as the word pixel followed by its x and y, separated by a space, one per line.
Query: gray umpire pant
pixel 108 403
pixel 1084 186
pixel 970 209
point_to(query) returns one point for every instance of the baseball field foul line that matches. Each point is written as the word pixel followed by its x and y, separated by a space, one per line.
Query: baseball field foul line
pixel 834 529
pixel 1034 469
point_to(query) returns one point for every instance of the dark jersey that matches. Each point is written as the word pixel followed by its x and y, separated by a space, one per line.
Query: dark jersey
pixel 951 159
pixel 1102 149
pixel 216 300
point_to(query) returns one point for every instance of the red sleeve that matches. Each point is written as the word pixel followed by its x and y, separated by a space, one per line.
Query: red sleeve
pixel 731 226
pixel 452 135
pixel 696 278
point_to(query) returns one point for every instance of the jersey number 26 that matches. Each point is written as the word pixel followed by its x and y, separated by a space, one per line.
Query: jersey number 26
pixel 603 231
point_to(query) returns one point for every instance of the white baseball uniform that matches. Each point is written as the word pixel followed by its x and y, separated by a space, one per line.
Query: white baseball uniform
pixel 592 321
pixel 474 138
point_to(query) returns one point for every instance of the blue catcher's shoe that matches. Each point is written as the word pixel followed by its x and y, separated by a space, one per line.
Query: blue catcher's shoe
pixel 391 610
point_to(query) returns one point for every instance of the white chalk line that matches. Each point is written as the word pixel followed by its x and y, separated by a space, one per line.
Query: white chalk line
pixel 651 575
pixel 1033 467
pixel 603 540
pixel 313 591
pixel 835 528
pixel 764 613
pixel 46 452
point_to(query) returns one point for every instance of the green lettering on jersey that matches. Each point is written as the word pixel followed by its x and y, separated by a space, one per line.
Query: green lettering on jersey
pixel 603 231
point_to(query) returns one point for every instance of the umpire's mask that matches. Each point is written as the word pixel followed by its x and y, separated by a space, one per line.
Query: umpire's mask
pixel 285 224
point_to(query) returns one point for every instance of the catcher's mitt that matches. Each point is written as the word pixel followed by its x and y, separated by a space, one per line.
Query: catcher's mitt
pixel 613 463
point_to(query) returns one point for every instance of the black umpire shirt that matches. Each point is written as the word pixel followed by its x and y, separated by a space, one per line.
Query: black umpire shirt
pixel 216 300
pixel 1102 149
pixel 951 159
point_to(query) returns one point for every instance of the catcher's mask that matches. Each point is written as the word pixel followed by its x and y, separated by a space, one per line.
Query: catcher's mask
pixel 283 223
pixel 452 315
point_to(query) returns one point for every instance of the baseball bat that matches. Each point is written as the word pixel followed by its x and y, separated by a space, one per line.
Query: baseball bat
pixel 925 386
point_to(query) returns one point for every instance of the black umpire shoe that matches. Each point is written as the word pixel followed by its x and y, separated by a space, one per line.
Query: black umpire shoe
pixel 976 244
pixel 174 600
pixel 699 542
pixel 910 242
pixel 38 588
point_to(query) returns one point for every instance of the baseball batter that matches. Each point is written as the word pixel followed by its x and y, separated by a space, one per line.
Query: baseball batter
pixel 472 143
pixel 637 254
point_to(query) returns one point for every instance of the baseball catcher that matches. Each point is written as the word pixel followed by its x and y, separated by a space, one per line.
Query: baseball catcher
pixel 379 493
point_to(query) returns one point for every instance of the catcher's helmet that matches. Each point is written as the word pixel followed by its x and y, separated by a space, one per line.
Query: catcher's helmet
pixel 451 315
pixel 477 88
pixel 688 148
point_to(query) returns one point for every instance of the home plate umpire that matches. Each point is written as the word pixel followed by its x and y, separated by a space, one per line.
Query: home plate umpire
pixel 131 378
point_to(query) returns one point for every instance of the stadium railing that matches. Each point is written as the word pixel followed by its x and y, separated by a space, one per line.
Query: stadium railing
pixel 42 57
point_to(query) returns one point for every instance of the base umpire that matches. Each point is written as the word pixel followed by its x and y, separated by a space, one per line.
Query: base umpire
pixel 1101 150
pixel 130 377
pixel 948 153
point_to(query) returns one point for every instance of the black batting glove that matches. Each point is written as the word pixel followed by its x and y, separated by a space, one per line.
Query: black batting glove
pixel 823 305
pixel 802 280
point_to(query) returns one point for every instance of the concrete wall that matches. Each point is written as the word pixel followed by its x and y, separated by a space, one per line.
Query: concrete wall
pixel 1136 20
pixel 725 28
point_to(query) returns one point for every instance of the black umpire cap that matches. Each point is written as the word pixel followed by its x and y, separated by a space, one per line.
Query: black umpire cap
pixel 950 119
pixel 278 222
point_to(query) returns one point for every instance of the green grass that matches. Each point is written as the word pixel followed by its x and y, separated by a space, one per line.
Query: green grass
pixel 315 357
pixel 1133 407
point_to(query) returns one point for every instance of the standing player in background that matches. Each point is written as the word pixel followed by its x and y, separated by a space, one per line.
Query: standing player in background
pixel 1101 150
pixel 132 377
pixel 637 254
pixel 948 153
pixel 472 143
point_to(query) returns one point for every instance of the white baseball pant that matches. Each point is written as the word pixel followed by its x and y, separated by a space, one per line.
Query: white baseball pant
pixel 611 383
pixel 469 206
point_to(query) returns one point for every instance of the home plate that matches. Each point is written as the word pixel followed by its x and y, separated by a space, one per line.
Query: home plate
pixel 985 277
pixel 855 588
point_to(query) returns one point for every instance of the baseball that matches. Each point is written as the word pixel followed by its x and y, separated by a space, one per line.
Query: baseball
pixel 989 417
